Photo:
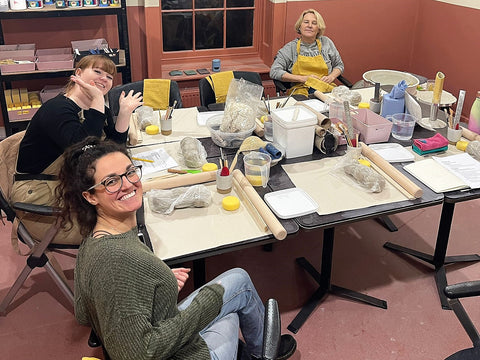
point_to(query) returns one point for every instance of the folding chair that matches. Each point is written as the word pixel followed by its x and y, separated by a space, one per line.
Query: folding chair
pixel 454 293
pixel 38 256
pixel 137 86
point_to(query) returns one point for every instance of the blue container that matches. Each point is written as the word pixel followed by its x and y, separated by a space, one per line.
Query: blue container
pixel 216 65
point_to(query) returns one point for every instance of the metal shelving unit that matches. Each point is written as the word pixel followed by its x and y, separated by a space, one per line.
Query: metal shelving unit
pixel 47 12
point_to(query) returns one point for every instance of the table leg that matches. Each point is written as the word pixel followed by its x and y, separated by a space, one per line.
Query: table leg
pixel 439 258
pixel 388 223
pixel 325 287
pixel 199 274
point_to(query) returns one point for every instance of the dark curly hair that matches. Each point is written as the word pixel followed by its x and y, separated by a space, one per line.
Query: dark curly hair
pixel 77 175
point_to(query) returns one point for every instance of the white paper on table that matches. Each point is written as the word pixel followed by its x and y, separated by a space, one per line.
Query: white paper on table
pixel 203 116
pixel 161 161
pixel 316 105
pixel 392 152
pixel 464 166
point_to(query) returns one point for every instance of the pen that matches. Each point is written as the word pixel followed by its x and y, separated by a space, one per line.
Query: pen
pixel 140 159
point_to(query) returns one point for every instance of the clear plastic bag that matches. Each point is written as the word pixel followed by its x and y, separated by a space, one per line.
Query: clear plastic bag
pixel 192 152
pixel 243 100
pixel 147 116
pixel 345 94
pixel 349 170
pixel 165 201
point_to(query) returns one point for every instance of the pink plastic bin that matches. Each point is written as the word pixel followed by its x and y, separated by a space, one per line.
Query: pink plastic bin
pixel 373 127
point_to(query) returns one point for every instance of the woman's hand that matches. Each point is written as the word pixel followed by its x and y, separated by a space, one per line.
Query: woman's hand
pixel 128 103
pixel 328 79
pixel 92 92
pixel 181 274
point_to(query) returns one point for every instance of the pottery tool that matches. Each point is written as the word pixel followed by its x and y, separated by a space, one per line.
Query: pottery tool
pixel 270 219
pixel 348 119
pixel 248 204
pixel 469 134
pixel 391 171
pixel 458 110
pixel 249 144
pixel 176 181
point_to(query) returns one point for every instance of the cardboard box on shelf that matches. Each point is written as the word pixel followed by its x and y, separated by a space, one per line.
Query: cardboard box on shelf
pixel 54 59
pixel 17 58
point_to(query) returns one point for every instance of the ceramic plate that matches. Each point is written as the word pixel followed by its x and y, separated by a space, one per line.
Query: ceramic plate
pixel 390 77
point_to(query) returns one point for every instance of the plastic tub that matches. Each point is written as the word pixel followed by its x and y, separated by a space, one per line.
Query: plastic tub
pixel 223 139
pixel 373 127
pixel 294 130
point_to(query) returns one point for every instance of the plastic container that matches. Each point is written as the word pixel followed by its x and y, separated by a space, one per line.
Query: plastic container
pixel 474 120
pixel 223 139
pixel 373 128
pixel 294 130
pixel 257 168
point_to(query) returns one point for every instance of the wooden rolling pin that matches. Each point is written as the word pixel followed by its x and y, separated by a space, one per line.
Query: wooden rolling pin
pixel 396 175
pixel 182 180
pixel 469 134
pixel 324 97
pixel 270 219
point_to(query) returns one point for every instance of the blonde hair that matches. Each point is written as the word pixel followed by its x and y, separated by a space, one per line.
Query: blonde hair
pixel 91 61
pixel 320 21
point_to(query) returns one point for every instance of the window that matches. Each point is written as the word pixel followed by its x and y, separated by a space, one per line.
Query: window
pixel 207 24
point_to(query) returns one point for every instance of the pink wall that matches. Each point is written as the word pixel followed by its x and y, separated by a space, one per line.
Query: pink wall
pixel 447 40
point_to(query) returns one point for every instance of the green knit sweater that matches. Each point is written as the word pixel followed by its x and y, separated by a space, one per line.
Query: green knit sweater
pixel 129 297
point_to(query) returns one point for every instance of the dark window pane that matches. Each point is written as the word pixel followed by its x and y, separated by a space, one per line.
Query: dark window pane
pixel 177 31
pixel 206 4
pixel 239 28
pixel 240 3
pixel 208 29
pixel 176 4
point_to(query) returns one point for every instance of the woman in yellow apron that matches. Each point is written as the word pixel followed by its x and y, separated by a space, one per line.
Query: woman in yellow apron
pixel 312 61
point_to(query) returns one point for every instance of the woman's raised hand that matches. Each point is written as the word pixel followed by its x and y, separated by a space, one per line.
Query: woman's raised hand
pixel 89 89
pixel 128 103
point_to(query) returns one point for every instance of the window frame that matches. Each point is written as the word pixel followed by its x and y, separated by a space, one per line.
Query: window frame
pixel 201 54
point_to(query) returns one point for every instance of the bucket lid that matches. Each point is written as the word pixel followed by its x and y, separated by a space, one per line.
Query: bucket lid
pixel 294 116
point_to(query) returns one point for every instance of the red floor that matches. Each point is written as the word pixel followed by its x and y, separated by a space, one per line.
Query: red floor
pixel 40 324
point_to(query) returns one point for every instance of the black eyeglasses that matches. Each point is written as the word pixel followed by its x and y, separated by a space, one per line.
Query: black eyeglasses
pixel 114 183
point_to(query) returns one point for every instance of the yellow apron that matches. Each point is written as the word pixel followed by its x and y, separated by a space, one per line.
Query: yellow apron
pixel 310 65
pixel 156 93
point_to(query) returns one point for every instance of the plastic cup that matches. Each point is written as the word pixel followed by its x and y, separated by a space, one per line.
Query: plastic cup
pixel 453 136
pixel 403 125
pixel 224 183
pixel 257 168
pixel 268 129
pixel 166 126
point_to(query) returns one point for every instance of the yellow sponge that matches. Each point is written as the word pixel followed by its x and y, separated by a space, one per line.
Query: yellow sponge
pixel 209 167
pixel 230 203
pixel 152 129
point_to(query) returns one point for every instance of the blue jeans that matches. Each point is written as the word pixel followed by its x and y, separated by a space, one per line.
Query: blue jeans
pixel 241 307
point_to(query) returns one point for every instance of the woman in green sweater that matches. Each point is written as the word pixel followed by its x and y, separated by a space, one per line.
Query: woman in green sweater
pixel 126 293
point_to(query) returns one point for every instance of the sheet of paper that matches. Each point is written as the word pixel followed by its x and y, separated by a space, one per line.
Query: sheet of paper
pixel 316 105
pixel 464 166
pixel 159 160
pixel 393 152
pixel 332 192
pixel 203 116
pixel 435 176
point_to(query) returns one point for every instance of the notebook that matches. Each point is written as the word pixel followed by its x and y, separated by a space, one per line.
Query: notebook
pixel 449 173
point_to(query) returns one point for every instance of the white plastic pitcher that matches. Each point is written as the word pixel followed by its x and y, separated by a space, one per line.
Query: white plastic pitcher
pixel 257 168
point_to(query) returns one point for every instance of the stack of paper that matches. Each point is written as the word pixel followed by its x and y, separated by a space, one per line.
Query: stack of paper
pixel 442 174
pixel 393 152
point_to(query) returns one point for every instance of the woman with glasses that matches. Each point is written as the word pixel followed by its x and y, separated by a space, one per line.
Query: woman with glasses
pixel 62 121
pixel 126 293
